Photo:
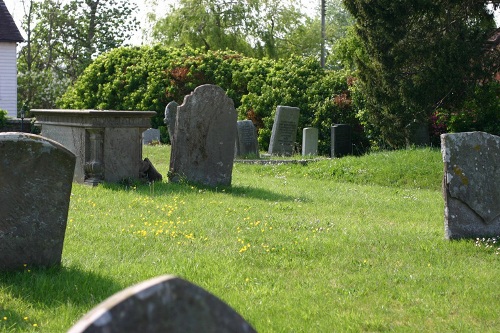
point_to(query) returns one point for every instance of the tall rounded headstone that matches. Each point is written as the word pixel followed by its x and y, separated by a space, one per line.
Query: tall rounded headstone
pixel 35 186
pixel 341 140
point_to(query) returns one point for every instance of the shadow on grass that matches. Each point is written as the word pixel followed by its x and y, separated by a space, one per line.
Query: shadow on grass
pixel 58 285
pixel 164 189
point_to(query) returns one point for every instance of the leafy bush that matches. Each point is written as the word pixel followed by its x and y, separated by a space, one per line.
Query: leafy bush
pixel 3 117
pixel 148 78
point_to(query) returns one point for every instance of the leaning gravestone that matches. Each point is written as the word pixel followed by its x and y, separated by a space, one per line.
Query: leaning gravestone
pixel 163 304
pixel 341 140
pixel 310 141
pixel 150 135
pixel 246 140
pixel 284 131
pixel 170 117
pixel 470 186
pixel 36 176
pixel 205 133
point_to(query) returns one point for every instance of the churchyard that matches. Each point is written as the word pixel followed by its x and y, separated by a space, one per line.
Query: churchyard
pixel 335 245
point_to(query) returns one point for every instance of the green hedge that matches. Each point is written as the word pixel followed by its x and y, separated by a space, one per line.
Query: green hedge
pixel 149 77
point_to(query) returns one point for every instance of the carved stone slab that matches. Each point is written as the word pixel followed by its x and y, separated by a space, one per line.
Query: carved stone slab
pixel 204 139
pixel 246 140
pixel 284 130
pixel 35 186
pixel 163 304
pixel 471 184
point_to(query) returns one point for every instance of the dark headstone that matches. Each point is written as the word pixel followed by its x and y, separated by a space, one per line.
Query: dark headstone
pixel 284 131
pixel 246 140
pixel 205 133
pixel 35 185
pixel 341 140
pixel 170 117
pixel 163 304
pixel 470 187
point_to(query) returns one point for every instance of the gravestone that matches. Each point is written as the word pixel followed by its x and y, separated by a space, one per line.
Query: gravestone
pixel 246 140
pixel 309 141
pixel 170 117
pixel 470 186
pixel 163 304
pixel 284 131
pixel 205 133
pixel 341 140
pixel 35 185
pixel 150 135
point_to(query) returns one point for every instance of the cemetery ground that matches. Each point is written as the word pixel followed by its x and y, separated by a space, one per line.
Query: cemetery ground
pixel 343 245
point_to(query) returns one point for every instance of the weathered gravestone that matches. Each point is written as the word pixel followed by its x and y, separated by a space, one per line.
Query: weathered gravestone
pixel 170 117
pixel 284 131
pixel 309 141
pixel 246 140
pixel 163 304
pixel 341 140
pixel 471 184
pixel 150 135
pixel 204 137
pixel 35 185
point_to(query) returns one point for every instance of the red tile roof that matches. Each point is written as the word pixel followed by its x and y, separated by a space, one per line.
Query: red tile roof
pixel 8 29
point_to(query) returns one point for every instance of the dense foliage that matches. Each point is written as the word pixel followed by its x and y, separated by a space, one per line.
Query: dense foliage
pixel 148 78
pixel 416 57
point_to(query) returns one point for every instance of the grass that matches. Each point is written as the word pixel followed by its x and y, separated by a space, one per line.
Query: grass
pixel 349 245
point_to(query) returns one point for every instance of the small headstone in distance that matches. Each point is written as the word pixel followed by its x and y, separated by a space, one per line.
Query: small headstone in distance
pixel 341 140
pixel 205 133
pixel 470 187
pixel 163 304
pixel 246 140
pixel 170 116
pixel 284 131
pixel 36 177
pixel 151 135
pixel 309 141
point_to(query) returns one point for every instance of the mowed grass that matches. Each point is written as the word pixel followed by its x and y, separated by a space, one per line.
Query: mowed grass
pixel 344 245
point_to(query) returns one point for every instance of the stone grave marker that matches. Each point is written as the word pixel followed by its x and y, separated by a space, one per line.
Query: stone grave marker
pixel 150 135
pixel 284 131
pixel 170 116
pixel 246 140
pixel 204 138
pixel 163 304
pixel 341 140
pixel 35 185
pixel 471 184
pixel 310 141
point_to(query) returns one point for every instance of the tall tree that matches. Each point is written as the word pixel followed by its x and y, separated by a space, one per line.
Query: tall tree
pixel 417 56
pixel 63 38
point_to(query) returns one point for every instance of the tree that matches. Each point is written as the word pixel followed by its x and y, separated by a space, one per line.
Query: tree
pixel 63 38
pixel 416 56
pixel 251 27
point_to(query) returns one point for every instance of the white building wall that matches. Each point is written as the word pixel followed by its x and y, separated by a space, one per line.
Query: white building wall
pixel 8 78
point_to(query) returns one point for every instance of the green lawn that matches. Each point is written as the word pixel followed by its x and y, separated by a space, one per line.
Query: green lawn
pixel 345 245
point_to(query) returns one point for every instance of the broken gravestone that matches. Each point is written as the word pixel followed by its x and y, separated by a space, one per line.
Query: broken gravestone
pixel 36 177
pixel 205 133
pixel 470 186
pixel 163 304
pixel 284 131
pixel 170 116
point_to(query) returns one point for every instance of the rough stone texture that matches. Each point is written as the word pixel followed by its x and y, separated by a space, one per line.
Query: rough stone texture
pixel 205 133
pixel 341 140
pixel 107 144
pixel 284 131
pixel 310 141
pixel 470 186
pixel 150 135
pixel 163 304
pixel 170 118
pixel 35 186
pixel 246 140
